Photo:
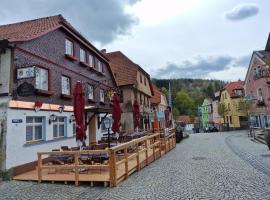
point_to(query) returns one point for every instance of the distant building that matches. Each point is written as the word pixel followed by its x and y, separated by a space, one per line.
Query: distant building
pixel 207 112
pixel 217 119
pixel 231 96
pixel 158 104
pixel 134 83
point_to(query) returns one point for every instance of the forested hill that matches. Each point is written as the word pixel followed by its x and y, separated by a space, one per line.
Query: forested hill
pixel 190 92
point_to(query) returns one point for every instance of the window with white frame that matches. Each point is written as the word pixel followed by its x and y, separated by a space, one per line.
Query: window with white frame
pixel 59 127
pixel 82 55
pixel 35 129
pixel 69 47
pixel 260 94
pixel 99 66
pixel 267 121
pixel 90 92
pixel 42 76
pixel 65 85
pixel 101 95
pixel 91 60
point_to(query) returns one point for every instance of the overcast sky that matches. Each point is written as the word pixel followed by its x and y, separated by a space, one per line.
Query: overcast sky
pixel 168 38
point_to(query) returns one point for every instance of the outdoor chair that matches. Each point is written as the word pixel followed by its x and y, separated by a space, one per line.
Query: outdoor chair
pixel 64 148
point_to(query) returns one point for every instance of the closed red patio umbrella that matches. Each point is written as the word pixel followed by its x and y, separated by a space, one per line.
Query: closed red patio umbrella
pixel 136 114
pixel 116 114
pixel 167 118
pixel 78 105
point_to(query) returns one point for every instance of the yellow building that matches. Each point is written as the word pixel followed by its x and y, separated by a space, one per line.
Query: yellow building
pixel 231 99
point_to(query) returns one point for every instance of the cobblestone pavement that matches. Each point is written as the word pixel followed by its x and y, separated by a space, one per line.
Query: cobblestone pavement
pixel 205 166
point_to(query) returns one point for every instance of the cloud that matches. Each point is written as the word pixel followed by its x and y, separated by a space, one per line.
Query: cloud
pixel 202 67
pixel 242 11
pixel 100 21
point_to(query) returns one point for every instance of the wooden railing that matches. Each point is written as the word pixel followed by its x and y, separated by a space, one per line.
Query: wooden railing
pixel 124 159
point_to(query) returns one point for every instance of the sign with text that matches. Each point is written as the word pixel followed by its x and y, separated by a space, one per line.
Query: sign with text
pixel 17 121
pixel 27 72
pixel 25 89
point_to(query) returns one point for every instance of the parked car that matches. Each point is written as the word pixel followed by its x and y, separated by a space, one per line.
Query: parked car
pixel 210 129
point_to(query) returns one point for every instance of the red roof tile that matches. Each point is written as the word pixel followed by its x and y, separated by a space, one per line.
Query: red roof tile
pixel 125 70
pixel 183 119
pixel 232 86
pixel 156 99
pixel 31 29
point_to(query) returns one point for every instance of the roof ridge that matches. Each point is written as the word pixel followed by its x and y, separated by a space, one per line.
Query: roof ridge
pixel 32 20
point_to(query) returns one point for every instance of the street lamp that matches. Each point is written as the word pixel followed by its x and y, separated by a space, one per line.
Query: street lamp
pixel 107 124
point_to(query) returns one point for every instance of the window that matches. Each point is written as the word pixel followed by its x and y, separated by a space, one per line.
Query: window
pixel 230 119
pixel 140 78
pixel 101 95
pixel 34 128
pixel 121 96
pixel 91 60
pixel 99 66
pixel 65 85
pixel 239 92
pixel 229 107
pixel 69 47
pixel 90 92
pixel 260 94
pixel 82 55
pixel 144 80
pixel 59 127
pixel 269 91
pixel 42 82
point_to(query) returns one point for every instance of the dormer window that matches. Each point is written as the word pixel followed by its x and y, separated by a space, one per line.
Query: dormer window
pixel 99 66
pixel 69 47
pixel 260 94
pixel 101 95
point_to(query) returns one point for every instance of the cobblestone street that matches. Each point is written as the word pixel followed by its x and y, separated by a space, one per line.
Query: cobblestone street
pixel 205 166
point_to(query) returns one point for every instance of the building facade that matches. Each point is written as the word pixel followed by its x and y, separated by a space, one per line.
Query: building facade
pixel 231 97
pixel 40 62
pixel 158 105
pixel 134 84
pixel 257 88
pixel 207 113
pixel 217 119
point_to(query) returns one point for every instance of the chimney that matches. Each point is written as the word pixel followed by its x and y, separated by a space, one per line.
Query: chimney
pixel 103 50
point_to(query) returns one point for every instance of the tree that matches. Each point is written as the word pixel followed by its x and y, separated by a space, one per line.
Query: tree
pixel 175 112
pixel 222 110
pixel 184 103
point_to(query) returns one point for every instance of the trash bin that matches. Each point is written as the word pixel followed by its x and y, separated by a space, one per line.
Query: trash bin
pixel 179 133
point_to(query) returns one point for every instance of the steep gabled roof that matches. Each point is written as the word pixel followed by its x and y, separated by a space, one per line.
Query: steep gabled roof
pixel 156 99
pixel 125 70
pixel 31 29
pixel 232 86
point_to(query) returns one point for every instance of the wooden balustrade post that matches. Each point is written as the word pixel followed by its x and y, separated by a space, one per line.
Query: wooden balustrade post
pixel 76 169
pixel 39 167
pixel 126 162
pixel 154 154
pixel 112 163
pixel 146 152
pixel 138 157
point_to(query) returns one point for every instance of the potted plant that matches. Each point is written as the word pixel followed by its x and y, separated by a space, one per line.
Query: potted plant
pixel 260 103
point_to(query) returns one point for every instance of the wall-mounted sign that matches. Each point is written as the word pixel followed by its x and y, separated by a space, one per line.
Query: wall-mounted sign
pixel 25 89
pixel 27 72
pixel 17 121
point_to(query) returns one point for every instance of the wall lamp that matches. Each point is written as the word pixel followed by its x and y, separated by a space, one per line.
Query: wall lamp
pixel 52 118
pixel 71 118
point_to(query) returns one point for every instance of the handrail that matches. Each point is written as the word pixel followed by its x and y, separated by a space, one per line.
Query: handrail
pixel 145 150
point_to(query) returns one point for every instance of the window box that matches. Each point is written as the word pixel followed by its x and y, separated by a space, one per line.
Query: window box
pixel 43 92
pixel 70 57
pixel 64 96
pixel 84 64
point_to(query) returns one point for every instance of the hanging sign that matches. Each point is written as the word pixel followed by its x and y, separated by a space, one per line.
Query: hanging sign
pixel 25 89
pixel 26 72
